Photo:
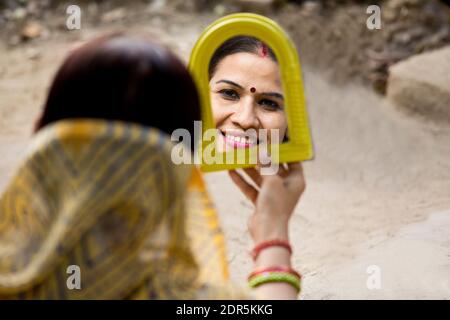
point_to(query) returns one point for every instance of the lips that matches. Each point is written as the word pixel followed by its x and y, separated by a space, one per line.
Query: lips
pixel 239 139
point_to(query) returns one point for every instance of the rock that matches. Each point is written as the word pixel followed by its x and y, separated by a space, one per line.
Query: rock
pixel 378 64
pixel 14 40
pixel 19 14
pixel 187 5
pixel 92 9
pixel 114 15
pixel 434 41
pixel 409 35
pixel 420 85
pixel 2 20
pixel 220 10
pixel 310 8
pixel 31 30
pixel 157 21
pixel 33 53
pixel 157 5
pixel 33 8
pixel 257 6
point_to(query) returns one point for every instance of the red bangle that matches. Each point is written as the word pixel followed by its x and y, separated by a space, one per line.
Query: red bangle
pixel 271 243
pixel 274 269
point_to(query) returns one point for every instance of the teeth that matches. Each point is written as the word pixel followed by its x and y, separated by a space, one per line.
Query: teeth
pixel 248 140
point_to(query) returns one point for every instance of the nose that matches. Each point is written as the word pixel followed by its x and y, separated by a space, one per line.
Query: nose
pixel 245 116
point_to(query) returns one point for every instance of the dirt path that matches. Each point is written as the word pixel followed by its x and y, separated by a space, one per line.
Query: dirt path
pixel 375 181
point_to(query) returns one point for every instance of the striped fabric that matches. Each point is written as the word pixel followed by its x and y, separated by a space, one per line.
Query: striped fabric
pixel 106 197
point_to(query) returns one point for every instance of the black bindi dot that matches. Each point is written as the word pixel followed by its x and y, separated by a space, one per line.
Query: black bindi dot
pixel 252 89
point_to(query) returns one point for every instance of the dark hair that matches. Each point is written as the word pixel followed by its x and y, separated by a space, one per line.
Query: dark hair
pixel 236 45
pixel 132 79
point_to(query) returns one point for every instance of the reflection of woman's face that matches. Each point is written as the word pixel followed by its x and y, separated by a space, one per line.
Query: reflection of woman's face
pixel 246 93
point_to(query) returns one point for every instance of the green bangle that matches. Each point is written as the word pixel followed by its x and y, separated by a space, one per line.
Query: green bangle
pixel 260 279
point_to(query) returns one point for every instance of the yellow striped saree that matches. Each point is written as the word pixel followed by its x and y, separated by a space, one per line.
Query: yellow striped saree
pixel 105 197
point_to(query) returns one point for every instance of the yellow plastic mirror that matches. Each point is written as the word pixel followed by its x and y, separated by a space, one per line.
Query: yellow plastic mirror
pixel 298 147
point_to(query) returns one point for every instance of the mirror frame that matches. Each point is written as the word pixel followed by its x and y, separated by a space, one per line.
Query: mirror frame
pixel 299 147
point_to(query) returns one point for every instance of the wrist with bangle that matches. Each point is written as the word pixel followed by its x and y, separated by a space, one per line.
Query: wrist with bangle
pixel 271 274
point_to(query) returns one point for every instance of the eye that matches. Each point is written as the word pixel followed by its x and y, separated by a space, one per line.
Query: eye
pixel 269 104
pixel 229 94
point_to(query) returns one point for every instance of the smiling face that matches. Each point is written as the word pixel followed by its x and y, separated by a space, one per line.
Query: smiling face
pixel 246 93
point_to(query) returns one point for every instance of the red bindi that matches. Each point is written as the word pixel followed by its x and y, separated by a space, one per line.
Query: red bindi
pixel 252 89
pixel 264 51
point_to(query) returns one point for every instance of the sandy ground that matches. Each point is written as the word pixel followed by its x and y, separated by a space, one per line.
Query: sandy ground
pixel 378 189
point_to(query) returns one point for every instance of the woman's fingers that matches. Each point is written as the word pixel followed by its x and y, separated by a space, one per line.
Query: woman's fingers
pixel 296 176
pixel 254 175
pixel 282 170
pixel 295 169
pixel 285 171
pixel 249 191
pixel 295 166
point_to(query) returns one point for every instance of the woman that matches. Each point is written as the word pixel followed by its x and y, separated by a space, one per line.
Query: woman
pixel 246 92
pixel 97 209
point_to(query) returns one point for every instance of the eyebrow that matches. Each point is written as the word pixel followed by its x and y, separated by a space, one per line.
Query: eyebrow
pixel 230 82
pixel 273 94
pixel 268 94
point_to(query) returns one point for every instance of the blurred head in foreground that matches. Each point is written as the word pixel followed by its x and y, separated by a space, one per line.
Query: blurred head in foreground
pixel 118 77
